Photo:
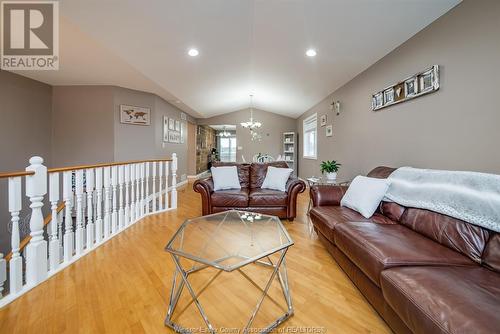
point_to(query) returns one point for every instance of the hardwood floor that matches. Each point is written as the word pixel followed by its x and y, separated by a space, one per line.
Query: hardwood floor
pixel 124 286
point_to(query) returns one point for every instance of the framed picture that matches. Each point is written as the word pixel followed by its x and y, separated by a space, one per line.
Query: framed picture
pixel 135 115
pixel 171 124
pixel 174 137
pixel 165 129
pixel 411 87
pixel 377 101
pixel 178 126
pixel 388 95
pixel 323 120
pixel 399 91
pixel 426 81
pixel 329 130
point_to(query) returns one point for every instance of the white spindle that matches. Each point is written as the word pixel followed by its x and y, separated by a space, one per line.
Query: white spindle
pixel 141 168
pixel 121 215
pixel 132 193
pixel 138 191
pixel 167 174
pixel 54 250
pixel 68 219
pixel 154 186
pixel 146 201
pixel 36 251
pixel 114 184
pixel 98 221
pixel 16 262
pixel 89 177
pixel 160 185
pixel 107 201
pixel 3 273
pixel 127 195
pixel 174 181
pixel 80 231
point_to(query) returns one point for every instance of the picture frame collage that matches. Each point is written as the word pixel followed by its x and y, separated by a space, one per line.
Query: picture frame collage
pixel 173 130
pixel 422 83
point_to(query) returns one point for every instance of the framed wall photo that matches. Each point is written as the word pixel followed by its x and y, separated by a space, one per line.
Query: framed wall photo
pixel 178 126
pixel 135 115
pixel 323 120
pixel 183 131
pixel 329 130
pixel 377 101
pixel 426 81
pixel 165 129
pixel 411 87
pixel 171 124
pixel 388 95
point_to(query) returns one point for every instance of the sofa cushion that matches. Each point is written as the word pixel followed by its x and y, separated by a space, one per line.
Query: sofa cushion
pixel 267 197
pixel 444 299
pixel 392 210
pixel 230 198
pixel 375 247
pixel 258 172
pixel 453 233
pixel 325 218
pixel 243 171
pixel 491 254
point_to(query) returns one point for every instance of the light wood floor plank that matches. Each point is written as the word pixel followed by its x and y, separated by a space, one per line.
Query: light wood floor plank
pixel 124 286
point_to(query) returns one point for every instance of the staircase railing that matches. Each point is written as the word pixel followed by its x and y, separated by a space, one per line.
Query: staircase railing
pixel 98 202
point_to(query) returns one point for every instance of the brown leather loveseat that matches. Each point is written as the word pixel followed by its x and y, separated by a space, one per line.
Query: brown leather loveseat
pixel 251 197
pixel 422 271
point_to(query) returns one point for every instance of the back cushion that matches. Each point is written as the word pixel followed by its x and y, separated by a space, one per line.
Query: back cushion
pixel 381 172
pixel 491 255
pixel 243 171
pixel 258 172
pixel 392 210
pixel 453 233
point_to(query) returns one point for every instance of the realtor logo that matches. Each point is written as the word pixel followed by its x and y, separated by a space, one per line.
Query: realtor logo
pixel 30 35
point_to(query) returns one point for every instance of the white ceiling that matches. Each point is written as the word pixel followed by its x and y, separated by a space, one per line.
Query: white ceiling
pixel 246 46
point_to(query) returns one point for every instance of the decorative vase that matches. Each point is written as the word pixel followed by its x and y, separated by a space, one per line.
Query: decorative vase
pixel 331 176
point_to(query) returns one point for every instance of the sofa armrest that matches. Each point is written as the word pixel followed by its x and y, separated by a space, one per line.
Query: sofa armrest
pixel 326 195
pixel 294 187
pixel 205 187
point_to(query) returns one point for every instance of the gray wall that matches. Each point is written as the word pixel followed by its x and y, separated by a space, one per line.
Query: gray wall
pixel 25 131
pixel 454 128
pixel 145 142
pixel 82 125
pixel 273 126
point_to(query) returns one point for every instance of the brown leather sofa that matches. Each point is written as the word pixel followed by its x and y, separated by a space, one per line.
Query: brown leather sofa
pixel 422 271
pixel 251 197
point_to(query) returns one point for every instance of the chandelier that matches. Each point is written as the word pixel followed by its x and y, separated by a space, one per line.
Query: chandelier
pixel 252 125
pixel 224 133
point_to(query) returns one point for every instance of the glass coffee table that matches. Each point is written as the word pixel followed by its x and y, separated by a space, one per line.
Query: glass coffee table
pixel 229 241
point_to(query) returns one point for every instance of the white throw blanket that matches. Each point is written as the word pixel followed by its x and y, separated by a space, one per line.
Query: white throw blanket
pixel 469 196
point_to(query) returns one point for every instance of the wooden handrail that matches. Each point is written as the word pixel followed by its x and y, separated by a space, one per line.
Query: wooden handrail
pixel 27 239
pixel 16 174
pixel 72 168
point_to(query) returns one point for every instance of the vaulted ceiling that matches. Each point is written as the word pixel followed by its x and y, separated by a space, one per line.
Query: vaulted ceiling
pixel 246 47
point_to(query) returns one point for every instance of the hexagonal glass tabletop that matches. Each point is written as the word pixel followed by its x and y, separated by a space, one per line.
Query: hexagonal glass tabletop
pixel 230 239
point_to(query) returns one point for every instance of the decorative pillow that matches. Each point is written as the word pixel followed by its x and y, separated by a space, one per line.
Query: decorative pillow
pixel 225 178
pixel 276 178
pixel 365 194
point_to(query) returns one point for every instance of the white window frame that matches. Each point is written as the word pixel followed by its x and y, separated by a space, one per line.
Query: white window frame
pixel 310 124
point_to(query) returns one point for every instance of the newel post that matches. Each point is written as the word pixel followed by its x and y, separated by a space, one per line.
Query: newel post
pixel 36 251
pixel 174 181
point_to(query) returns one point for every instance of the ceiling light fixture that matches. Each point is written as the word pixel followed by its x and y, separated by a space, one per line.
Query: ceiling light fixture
pixel 311 53
pixel 252 125
pixel 224 133
pixel 193 52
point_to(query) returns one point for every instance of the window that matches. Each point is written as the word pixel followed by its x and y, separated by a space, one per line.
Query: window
pixel 227 149
pixel 310 135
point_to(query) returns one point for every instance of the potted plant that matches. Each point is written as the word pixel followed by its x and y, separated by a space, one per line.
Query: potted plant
pixel 330 168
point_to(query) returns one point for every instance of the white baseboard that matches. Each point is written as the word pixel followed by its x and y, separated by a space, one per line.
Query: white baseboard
pixel 199 176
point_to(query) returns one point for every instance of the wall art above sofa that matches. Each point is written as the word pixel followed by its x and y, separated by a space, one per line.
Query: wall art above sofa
pixel 422 83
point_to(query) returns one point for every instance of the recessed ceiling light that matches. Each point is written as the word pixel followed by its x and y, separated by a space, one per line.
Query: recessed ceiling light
pixel 311 53
pixel 193 52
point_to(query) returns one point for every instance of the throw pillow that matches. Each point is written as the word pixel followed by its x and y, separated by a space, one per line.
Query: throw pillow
pixel 365 194
pixel 225 178
pixel 276 178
